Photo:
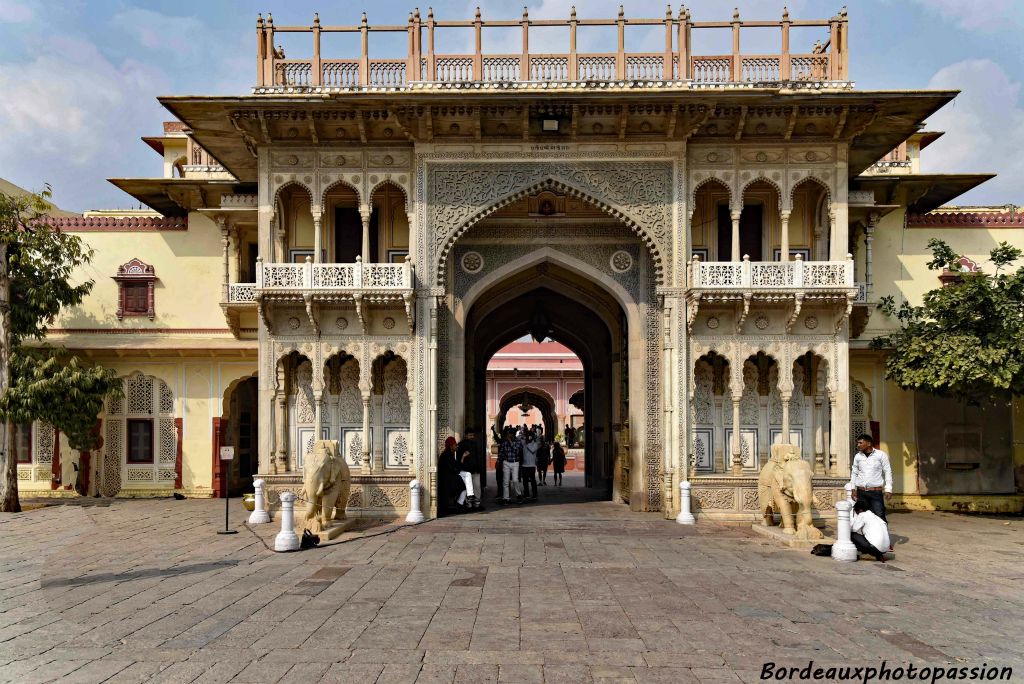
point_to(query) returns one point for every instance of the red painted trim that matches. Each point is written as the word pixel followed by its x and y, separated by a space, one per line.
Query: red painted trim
pixel 218 433
pixel 55 460
pixel 111 224
pixel 966 219
pixel 138 331
pixel 177 455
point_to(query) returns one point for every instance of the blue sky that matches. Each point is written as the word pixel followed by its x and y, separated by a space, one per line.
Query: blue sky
pixel 80 78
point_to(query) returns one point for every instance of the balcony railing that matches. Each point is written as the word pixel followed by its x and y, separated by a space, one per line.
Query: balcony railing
pixel 241 293
pixel 352 277
pixel 826 62
pixel 770 275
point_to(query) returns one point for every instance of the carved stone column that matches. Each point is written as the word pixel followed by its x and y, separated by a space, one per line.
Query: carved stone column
pixel 280 240
pixel 735 236
pixel 318 419
pixel 818 434
pixel 737 452
pixel 364 214
pixel 225 241
pixel 281 459
pixel 367 464
pixel 784 242
pixel 318 237
pixel 377 447
pixel 869 237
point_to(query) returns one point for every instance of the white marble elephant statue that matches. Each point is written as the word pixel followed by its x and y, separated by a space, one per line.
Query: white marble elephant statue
pixel 784 487
pixel 326 482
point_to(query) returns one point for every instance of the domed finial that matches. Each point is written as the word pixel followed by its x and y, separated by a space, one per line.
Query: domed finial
pixel 842 12
pixel 477 17
pixel 316 18
pixel 572 12
pixel 416 14
pixel 526 12
pixel 682 12
pixel 622 12
pixel 259 20
pixel 363 21
pixel 270 19
pixel 785 13
pixel 736 14
pixel 430 14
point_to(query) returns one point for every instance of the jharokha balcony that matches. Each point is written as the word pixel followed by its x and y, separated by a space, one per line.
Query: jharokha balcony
pixel 313 284
pixel 794 282
pixel 675 65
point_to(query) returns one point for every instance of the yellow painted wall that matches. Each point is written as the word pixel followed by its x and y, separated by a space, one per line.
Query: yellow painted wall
pixel 189 270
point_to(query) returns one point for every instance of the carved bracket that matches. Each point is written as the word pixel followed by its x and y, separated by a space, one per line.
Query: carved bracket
pixel 410 310
pixel 844 314
pixel 357 299
pixel 692 306
pixel 312 312
pixel 794 312
pixel 263 310
pixel 741 312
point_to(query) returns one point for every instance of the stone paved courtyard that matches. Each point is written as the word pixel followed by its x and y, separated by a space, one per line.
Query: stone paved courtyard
pixel 568 591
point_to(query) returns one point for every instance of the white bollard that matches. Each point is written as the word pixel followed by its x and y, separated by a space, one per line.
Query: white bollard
pixel 843 549
pixel 286 539
pixel 849 493
pixel 259 513
pixel 685 517
pixel 415 514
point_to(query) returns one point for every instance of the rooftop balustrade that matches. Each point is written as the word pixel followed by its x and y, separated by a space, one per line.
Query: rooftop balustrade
pixel 426 66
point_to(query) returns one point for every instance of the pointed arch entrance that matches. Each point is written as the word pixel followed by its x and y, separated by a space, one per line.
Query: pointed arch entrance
pixel 547 299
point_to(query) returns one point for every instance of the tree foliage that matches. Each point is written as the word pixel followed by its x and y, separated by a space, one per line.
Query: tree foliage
pixel 965 341
pixel 45 383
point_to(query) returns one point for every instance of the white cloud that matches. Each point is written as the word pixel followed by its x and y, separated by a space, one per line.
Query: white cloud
pixel 976 15
pixel 67 117
pixel 984 127
pixel 15 12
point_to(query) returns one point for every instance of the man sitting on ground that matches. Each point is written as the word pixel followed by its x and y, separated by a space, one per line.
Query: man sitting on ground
pixel 869 533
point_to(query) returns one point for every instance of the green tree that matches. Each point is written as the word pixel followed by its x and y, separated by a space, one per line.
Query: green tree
pixel 966 341
pixel 41 382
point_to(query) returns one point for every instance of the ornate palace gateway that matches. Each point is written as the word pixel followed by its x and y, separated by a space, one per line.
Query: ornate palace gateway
pixel 684 223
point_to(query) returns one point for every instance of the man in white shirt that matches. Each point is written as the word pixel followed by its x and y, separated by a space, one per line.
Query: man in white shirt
pixel 871 476
pixel 868 532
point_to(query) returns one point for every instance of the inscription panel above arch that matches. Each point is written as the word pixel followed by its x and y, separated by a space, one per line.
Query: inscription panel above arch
pixel 641 193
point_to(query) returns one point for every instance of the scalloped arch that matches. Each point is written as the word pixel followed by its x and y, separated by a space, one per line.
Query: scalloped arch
pixel 762 178
pixel 335 183
pixel 288 183
pixel 705 181
pixel 809 178
pixel 391 181
pixel 558 185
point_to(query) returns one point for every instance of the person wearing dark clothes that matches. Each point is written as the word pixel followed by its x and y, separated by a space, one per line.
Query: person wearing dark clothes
pixel 453 489
pixel 543 459
pixel 558 462
pixel 570 436
pixel 528 467
pixel 469 467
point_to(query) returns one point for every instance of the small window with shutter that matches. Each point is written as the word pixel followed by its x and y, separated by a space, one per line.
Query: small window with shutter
pixel 135 281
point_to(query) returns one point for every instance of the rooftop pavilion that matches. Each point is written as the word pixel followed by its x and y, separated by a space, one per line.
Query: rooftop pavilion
pixel 428 65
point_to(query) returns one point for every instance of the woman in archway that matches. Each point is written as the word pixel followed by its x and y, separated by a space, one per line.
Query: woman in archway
pixel 558 461
pixel 543 459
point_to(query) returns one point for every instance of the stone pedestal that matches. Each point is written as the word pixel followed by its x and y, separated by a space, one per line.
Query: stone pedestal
pixel 776 535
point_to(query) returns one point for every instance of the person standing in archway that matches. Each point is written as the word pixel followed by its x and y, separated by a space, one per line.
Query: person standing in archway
pixel 452 492
pixel 471 462
pixel 528 469
pixel 570 436
pixel 543 459
pixel 509 456
pixel 558 461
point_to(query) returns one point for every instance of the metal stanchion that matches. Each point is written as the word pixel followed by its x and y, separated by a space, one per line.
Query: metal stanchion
pixel 227 453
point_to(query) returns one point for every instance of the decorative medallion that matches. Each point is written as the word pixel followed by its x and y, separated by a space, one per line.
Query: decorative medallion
pixel 621 261
pixel 454 128
pixel 761 128
pixel 339 160
pixel 278 178
pixel 388 132
pixel 598 127
pixel 713 322
pixel 294 323
pixel 761 322
pixel 341 322
pixel 373 180
pixel 811 155
pixel 307 179
pixel 711 129
pixel 811 322
pixel 388 160
pixel 388 323
pixel 810 127
pixel 761 157
pixel 645 126
pixel 402 178
pixel 403 348
pixel 712 157
pixel 502 128
pixel 291 160
pixel 357 179
pixel 472 262
pixel 293 132
pixel 340 132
